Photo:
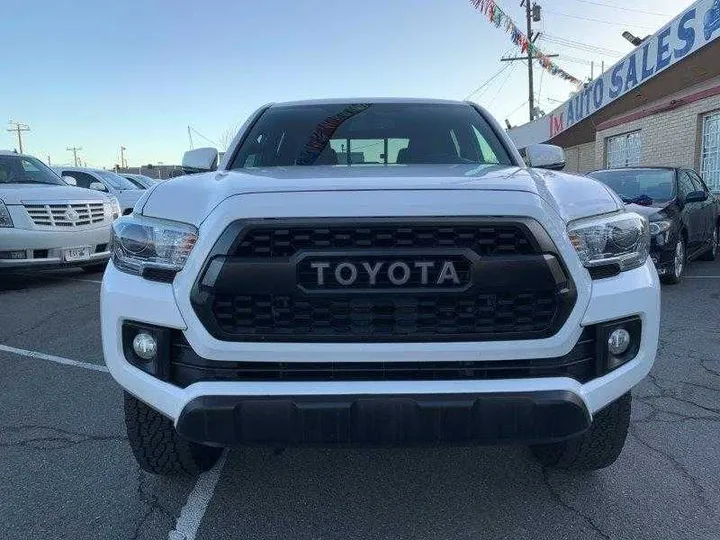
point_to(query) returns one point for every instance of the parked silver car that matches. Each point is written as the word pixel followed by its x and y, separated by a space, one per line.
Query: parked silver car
pixel 101 180
pixel 44 223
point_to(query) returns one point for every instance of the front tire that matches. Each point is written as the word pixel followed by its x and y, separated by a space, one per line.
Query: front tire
pixel 598 447
pixel 676 271
pixel 711 254
pixel 157 447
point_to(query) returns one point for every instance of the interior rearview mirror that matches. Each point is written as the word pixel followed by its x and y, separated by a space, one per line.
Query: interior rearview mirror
pixel 696 196
pixel 200 160
pixel 69 180
pixel 545 156
pixel 98 186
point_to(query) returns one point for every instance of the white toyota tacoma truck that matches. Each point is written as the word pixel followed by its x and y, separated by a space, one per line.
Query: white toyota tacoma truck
pixel 378 272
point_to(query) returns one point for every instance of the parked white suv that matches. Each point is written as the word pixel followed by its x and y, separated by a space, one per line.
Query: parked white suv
pixel 101 180
pixel 44 223
pixel 378 272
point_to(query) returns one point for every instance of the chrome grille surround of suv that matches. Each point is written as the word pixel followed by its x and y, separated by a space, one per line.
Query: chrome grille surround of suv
pixel 66 215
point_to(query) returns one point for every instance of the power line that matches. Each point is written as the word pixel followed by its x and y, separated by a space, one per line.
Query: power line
pixel 502 84
pixel 580 45
pixel 488 81
pixel 621 8
pixel 203 136
pixel 603 21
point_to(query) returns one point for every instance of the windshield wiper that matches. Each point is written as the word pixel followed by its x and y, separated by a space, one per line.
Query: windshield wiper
pixel 641 200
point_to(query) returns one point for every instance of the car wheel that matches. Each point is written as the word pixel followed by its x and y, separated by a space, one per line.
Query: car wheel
pixel 711 253
pixel 598 447
pixel 675 273
pixel 158 448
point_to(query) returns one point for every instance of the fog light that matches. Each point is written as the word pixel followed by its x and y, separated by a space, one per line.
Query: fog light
pixel 145 346
pixel 618 342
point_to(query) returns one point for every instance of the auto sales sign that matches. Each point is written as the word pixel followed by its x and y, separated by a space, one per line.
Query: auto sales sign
pixel 691 30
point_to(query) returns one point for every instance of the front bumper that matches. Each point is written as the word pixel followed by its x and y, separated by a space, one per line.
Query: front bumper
pixel 224 412
pixel 399 419
pixel 45 249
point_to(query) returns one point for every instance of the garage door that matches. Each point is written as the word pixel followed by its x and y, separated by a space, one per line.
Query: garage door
pixel 711 151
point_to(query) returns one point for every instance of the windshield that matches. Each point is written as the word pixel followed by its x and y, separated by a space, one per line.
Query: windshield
pixel 26 170
pixel 136 182
pixel 116 181
pixel 362 134
pixel 639 186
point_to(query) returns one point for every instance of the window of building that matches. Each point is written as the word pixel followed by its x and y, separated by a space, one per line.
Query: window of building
pixel 624 150
pixel 710 157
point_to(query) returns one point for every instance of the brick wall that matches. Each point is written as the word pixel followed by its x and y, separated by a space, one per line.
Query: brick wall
pixel 669 138
pixel 580 158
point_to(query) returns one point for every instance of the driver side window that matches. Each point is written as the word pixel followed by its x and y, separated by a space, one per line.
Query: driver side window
pixel 83 179
pixel 685 184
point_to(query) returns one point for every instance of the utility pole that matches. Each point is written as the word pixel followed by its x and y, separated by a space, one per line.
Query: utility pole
pixel 531 90
pixel 532 13
pixel 123 162
pixel 18 127
pixel 190 137
pixel 49 163
pixel 159 165
pixel 74 150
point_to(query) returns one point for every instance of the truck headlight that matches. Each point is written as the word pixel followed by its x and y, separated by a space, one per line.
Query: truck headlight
pixel 622 239
pixel 5 219
pixel 152 248
pixel 112 207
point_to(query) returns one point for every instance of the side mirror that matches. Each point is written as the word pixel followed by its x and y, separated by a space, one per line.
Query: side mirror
pixel 545 156
pixel 69 180
pixel 98 186
pixel 696 196
pixel 200 160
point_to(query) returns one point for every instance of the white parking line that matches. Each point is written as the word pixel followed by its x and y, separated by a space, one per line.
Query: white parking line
pixel 53 358
pixel 702 277
pixel 191 515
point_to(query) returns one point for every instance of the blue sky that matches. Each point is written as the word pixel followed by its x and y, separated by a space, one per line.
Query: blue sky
pixel 101 74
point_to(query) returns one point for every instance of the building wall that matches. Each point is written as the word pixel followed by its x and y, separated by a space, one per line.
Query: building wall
pixel 580 158
pixel 669 138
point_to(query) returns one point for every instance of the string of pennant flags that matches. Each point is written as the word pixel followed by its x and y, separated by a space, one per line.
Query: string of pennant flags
pixel 501 20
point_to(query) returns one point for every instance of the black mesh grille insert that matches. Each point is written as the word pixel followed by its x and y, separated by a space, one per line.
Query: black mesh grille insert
pixel 385 316
pixel 436 279
pixel 287 241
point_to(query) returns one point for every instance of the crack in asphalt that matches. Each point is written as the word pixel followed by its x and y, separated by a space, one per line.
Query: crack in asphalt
pixel 699 490
pixel 52 439
pixel 556 496
pixel 50 316
pixel 153 505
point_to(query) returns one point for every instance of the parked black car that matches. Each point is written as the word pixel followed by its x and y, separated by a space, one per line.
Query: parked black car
pixel 683 213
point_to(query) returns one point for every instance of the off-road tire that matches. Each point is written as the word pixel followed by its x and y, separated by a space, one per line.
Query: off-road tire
pixel 598 447
pixel 158 448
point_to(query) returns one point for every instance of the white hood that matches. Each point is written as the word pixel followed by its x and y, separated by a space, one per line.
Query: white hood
pixel 190 199
pixel 12 194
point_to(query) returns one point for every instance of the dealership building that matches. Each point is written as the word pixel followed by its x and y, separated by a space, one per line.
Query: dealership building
pixel 658 106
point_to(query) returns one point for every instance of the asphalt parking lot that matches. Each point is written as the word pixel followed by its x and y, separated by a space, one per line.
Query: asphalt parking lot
pixel 67 471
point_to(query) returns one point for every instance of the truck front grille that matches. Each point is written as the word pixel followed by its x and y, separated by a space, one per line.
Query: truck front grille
pixel 278 280
pixel 66 215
